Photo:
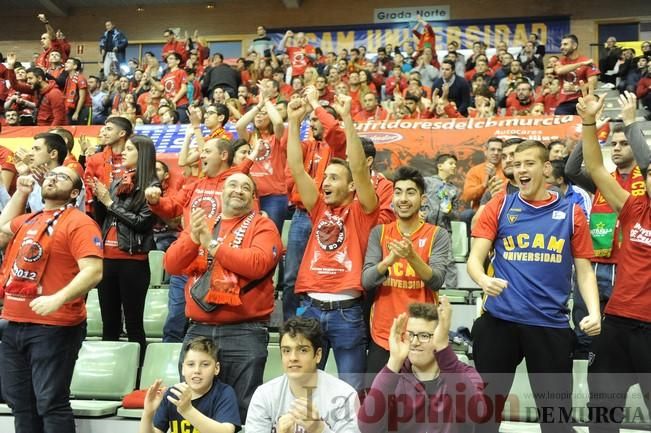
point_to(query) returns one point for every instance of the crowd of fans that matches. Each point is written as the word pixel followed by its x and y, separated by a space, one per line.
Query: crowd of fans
pixel 353 230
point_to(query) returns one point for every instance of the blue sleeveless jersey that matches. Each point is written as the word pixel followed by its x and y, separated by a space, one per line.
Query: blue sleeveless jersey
pixel 533 252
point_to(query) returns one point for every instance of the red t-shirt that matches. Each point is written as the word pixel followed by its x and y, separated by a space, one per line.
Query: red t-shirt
pixel 172 82
pixel 335 251
pixel 378 114
pixel 112 251
pixel 486 227
pixel 580 74
pixel 299 58
pixel 74 83
pixel 72 162
pixel 268 170
pixel 631 296
pixel 75 237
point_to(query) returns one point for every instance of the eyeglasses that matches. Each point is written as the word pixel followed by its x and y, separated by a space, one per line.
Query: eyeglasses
pixel 423 337
pixel 59 177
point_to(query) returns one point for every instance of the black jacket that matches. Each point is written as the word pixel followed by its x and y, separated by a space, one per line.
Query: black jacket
pixel 134 222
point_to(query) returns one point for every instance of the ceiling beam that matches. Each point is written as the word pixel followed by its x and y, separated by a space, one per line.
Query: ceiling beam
pixel 53 7
pixel 292 4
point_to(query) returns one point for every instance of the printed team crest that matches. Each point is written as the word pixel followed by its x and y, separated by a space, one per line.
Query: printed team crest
pixel 265 150
pixel 421 242
pixel 512 218
pixel 330 232
pixel 208 204
pixel 31 251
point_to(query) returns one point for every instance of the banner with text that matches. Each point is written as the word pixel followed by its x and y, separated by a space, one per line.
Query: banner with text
pixel 412 142
pixel 513 31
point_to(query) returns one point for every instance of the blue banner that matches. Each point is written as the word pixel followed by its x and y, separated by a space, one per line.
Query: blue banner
pixel 169 139
pixel 513 31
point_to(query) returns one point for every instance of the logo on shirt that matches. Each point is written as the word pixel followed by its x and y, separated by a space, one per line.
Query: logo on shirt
pixel 98 242
pixel 421 242
pixel 208 204
pixel 330 233
pixel 31 251
pixel 558 215
pixel 265 150
pixel 512 218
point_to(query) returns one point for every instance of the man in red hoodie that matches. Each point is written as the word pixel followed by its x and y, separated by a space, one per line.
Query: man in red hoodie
pixel 239 250
pixel 50 105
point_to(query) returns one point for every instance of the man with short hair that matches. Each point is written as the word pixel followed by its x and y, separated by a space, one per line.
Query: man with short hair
pixel 262 43
pixel 304 398
pixel 107 165
pixel 371 110
pixel 459 89
pixel 423 376
pixel 569 191
pixel 301 54
pixel 342 217
pixel 537 237
pixel 49 43
pixel 328 141
pixel 11 117
pixel 78 100
pixel 220 75
pixel 238 249
pixel 50 106
pixel 405 262
pixel 557 150
pixel 113 44
pixel 522 102
pixel 629 153
pixel 622 353
pixel 479 176
pixel 572 68
pixel 172 45
pixel 174 85
pixel 98 100
pixel 48 151
pixel 44 286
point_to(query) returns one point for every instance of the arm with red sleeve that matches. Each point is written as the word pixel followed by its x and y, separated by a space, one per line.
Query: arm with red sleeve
pixel 172 206
pixel 333 133
pixel 385 196
pixel 251 263
pixel 15 84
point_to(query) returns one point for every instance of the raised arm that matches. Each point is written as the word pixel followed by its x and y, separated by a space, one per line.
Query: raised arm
pixel 306 186
pixel 356 157
pixel 633 131
pixel 588 107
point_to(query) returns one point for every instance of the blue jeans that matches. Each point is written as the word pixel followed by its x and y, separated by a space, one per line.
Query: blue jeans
pixel 175 324
pixel 37 363
pixel 276 208
pixel 242 355
pixel 299 233
pixel 345 331
pixel 605 277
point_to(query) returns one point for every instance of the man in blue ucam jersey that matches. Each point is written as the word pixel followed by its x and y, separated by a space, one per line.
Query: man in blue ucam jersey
pixel 536 237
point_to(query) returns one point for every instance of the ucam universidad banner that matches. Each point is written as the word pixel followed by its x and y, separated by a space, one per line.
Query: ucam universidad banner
pixel 513 31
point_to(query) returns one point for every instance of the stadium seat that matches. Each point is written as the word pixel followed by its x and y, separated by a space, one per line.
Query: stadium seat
pixel 155 312
pixel 455 296
pixel 463 279
pixel 94 315
pixel 459 241
pixel 104 373
pixel 161 362
pixel 156 268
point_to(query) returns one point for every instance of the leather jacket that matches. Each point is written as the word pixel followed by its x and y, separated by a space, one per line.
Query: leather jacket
pixel 134 226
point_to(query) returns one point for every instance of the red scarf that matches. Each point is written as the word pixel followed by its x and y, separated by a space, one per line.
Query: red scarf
pixel 28 254
pixel 109 168
pixel 224 284
pixel 127 185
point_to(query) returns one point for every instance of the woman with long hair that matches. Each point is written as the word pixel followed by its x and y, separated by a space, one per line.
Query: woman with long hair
pixel 268 170
pixel 127 231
